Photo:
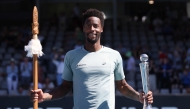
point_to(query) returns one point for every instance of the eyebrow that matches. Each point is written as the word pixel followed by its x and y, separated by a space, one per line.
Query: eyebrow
pixel 88 21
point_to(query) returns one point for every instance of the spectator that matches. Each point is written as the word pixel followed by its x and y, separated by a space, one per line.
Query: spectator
pixel 130 67
pixel 165 73
pixel 122 50
pixel 39 85
pixel 152 75
pixel 78 44
pixel 60 67
pixel 174 80
pixel 77 10
pixel 185 78
pixel 157 23
pixel 162 56
pixel 76 17
pixel 177 63
pixel 12 76
pixel 50 64
pixel 41 72
pixel 62 21
pixel 187 57
pixel 78 34
pixel 167 29
pixel 26 70
pixel 21 92
pixel 47 85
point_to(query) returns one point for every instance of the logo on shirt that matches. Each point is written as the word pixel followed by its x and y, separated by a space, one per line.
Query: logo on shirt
pixel 104 63
pixel 80 65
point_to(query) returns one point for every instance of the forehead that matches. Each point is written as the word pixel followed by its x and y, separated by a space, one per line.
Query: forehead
pixel 92 20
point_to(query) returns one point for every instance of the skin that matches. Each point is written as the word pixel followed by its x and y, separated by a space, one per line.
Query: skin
pixel 92 29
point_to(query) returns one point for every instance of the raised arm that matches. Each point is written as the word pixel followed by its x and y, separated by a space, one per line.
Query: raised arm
pixel 56 93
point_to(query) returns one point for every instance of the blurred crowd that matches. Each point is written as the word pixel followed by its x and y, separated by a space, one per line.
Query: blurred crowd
pixel 169 67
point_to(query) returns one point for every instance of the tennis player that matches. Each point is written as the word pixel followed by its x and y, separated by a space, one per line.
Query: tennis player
pixel 92 71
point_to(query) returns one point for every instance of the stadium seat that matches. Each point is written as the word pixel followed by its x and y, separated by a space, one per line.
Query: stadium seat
pixel 3 92
pixel 164 91
pixel 175 91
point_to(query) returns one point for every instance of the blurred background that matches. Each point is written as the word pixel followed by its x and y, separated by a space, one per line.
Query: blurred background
pixel 158 28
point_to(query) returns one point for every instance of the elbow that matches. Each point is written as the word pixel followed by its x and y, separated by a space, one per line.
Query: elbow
pixel 121 90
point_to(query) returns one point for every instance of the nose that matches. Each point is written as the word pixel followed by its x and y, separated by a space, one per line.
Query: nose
pixel 92 28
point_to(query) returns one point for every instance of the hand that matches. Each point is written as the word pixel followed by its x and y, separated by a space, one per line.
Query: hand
pixel 148 97
pixel 36 95
pixel 55 56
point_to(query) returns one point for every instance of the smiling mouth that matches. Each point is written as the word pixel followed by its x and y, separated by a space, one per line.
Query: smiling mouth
pixel 92 35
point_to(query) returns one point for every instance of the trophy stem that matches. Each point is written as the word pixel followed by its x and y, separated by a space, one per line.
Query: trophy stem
pixel 144 68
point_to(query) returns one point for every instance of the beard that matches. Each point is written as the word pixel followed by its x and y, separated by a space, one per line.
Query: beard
pixel 93 41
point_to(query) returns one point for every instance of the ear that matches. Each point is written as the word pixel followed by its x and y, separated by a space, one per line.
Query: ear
pixel 102 29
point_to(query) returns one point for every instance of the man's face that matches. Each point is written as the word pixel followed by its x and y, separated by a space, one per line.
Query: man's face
pixel 92 29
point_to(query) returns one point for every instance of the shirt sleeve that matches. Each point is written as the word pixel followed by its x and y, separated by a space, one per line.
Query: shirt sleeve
pixel 118 72
pixel 67 72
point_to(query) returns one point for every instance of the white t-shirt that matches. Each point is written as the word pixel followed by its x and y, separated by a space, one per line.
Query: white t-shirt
pixel 93 75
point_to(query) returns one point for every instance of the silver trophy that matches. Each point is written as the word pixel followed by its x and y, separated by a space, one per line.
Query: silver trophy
pixel 144 67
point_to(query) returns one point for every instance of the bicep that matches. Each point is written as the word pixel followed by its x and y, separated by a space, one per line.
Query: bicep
pixel 68 85
pixel 120 84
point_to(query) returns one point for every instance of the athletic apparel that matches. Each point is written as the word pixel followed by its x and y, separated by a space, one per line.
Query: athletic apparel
pixel 93 75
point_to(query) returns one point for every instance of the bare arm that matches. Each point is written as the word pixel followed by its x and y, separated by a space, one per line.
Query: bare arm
pixel 57 93
pixel 127 90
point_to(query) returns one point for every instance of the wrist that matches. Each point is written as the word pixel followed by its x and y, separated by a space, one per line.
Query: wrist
pixel 46 97
pixel 139 98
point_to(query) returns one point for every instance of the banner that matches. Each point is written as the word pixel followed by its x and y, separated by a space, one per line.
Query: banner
pixel 160 102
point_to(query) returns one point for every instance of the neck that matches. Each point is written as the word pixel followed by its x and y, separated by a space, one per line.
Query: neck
pixel 92 47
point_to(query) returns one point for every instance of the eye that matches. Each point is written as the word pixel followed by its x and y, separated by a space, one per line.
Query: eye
pixel 87 25
pixel 95 26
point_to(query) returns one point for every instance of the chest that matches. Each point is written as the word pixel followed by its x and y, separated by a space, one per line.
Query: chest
pixel 93 64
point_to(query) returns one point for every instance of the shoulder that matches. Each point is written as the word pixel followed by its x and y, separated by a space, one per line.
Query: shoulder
pixel 111 51
pixel 74 51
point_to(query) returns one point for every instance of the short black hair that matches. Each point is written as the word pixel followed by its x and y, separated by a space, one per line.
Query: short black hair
pixel 93 12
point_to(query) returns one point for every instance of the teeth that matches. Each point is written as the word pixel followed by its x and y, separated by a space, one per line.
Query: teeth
pixel 92 34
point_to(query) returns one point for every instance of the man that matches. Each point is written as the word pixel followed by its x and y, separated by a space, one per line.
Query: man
pixel 91 71
pixel 25 69
pixel 12 76
pixel 60 68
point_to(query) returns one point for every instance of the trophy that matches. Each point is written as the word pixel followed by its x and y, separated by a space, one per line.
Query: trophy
pixel 144 67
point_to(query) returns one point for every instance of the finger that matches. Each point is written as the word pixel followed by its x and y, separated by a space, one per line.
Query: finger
pixel 150 101
pixel 149 98
pixel 33 99
pixel 35 95
pixel 38 90
pixel 142 94
pixel 150 93
pixel 31 91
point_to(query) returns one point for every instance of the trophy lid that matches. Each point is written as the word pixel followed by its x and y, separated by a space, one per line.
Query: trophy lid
pixel 144 57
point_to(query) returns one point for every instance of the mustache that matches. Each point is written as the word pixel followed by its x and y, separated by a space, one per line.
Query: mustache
pixel 93 41
pixel 92 34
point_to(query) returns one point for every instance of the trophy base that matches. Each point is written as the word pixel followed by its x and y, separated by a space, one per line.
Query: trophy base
pixel 147 107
